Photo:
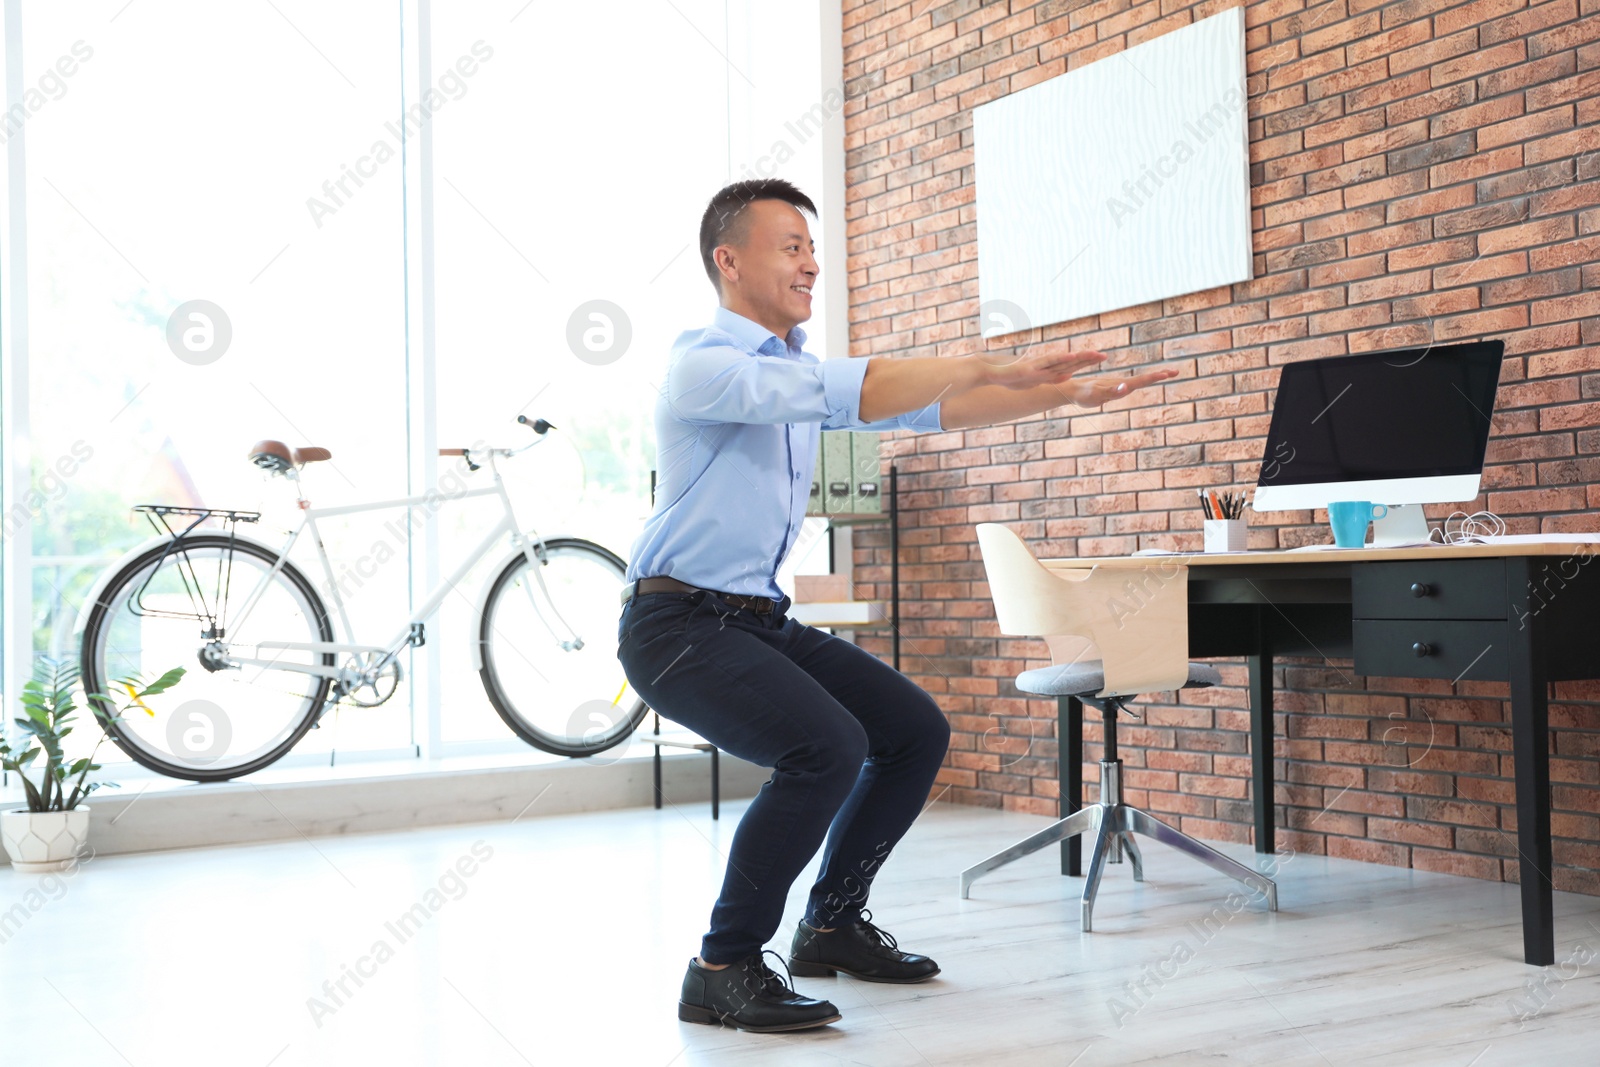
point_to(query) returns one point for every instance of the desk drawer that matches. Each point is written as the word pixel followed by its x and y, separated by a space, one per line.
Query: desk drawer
pixel 1429 589
pixel 1448 649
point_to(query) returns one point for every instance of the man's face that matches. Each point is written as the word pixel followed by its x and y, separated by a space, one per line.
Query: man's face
pixel 774 267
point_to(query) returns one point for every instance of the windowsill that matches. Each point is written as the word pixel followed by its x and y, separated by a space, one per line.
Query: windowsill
pixel 134 780
pixel 156 813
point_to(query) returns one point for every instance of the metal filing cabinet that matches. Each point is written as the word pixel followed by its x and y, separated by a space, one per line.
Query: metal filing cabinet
pixel 837 480
pixel 847 479
pixel 866 488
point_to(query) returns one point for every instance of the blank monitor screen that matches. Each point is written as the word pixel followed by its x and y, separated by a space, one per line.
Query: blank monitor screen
pixel 1417 413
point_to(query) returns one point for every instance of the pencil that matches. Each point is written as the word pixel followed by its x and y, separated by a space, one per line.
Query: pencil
pixel 1216 505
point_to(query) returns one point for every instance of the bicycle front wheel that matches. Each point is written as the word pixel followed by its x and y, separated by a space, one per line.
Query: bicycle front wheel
pixel 548 638
pixel 220 721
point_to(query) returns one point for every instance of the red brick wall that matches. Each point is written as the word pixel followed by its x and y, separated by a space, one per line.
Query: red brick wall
pixel 1418 170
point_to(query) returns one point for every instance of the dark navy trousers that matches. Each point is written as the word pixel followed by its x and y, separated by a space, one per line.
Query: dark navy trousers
pixel 854 746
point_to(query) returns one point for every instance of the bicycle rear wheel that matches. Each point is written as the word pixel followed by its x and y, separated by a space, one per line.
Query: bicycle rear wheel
pixel 218 722
pixel 572 701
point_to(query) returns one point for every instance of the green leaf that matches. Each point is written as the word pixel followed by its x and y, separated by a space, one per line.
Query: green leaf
pixel 165 682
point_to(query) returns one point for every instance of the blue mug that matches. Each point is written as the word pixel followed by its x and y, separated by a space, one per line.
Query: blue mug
pixel 1349 519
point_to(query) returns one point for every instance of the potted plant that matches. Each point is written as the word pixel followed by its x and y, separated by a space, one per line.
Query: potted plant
pixel 50 832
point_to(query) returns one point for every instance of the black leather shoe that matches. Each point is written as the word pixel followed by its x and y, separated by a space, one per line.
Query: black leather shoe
pixel 748 996
pixel 860 950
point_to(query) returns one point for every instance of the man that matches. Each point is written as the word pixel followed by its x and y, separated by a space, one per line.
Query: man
pixel 704 637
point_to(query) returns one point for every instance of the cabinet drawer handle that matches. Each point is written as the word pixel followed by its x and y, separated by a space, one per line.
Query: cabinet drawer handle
pixel 1422 648
pixel 1421 589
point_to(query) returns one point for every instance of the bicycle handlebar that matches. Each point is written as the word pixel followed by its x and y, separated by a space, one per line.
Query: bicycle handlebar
pixel 538 426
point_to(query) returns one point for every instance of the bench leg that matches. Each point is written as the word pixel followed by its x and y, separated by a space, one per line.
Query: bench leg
pixel 716 783
pixel 658 777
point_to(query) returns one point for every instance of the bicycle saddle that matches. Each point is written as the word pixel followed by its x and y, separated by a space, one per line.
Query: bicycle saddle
pixel 277 457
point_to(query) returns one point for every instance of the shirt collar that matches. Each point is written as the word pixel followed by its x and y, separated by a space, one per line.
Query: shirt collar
pixel 754 335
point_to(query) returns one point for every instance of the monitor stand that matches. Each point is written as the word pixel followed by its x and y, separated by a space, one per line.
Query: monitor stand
pixel 1405 524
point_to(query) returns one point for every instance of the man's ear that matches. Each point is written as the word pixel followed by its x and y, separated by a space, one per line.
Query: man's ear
pixel 727 262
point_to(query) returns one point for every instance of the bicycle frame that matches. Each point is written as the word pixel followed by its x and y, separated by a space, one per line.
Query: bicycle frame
pixel 411 633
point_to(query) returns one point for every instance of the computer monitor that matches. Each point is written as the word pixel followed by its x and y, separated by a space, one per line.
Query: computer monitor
pixel 1402 428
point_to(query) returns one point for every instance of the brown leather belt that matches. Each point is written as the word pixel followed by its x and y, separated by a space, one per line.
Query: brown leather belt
pixel 759 604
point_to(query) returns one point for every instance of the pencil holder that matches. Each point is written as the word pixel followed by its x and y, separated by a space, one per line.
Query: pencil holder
pixel 1226 535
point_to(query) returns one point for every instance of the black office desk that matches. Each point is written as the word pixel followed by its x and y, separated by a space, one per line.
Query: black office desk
pixel 1522 614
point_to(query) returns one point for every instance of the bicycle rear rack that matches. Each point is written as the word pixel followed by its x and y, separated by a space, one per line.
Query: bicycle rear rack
pixel 160 518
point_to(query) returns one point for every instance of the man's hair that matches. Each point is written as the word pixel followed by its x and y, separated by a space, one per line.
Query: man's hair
pixel 725 221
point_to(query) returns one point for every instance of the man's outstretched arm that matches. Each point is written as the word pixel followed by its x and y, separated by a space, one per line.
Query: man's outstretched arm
pixel 986 405
pixel 895 386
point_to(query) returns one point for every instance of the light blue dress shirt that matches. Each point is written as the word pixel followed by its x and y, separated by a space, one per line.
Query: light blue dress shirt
pixel 737 428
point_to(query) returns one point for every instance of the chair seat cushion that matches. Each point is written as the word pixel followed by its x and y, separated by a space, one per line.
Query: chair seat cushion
pixel 1089 677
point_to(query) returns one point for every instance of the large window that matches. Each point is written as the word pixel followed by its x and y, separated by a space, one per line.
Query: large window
pixel 567 207
pixel 183 301
pixel 226 208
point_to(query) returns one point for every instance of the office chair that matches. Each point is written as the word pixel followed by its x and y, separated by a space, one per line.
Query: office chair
pixel 1112 633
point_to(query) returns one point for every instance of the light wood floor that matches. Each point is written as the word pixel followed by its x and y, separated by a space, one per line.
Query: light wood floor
pixel 566 944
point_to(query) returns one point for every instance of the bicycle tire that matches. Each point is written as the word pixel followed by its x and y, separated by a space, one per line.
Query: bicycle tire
pixel 558 744
pixel 96 677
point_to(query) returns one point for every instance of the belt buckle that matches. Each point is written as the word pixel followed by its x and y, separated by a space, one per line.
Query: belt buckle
pixel 628 591
pixel 756 605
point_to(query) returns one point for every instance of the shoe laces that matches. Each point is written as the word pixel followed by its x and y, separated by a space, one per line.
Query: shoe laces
pixel 767 980
pixel 884 937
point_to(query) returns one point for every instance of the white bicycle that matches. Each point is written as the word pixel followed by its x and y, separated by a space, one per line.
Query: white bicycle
pixel 543 634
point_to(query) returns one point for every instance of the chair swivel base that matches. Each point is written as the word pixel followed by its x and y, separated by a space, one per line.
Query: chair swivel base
pixel 1114 824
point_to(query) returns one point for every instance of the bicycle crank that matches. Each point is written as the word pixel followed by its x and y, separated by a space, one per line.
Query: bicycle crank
pixel 367 687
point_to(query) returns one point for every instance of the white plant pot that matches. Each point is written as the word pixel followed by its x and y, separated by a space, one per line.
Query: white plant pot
pixel 41 841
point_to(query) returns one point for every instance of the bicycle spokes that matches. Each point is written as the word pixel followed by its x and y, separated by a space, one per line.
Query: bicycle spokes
pixel 230 712
pixel 563 694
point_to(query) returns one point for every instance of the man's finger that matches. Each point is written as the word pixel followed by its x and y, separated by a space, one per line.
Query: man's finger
pixel 1082 359
pixel 1066 366
pixel 1138 381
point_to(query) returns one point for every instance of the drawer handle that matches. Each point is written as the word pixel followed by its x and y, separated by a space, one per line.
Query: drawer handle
pixel 1421 589
pixel 1422 648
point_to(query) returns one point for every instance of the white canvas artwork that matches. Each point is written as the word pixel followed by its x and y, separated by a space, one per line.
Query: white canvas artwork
pixel 1122 182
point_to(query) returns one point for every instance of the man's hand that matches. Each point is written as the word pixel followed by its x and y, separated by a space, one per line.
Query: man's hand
pixel 1028 371
pixel 1092 392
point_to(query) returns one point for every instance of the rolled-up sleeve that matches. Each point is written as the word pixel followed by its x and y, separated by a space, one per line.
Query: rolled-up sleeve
pixel 923 420
pixel 720 383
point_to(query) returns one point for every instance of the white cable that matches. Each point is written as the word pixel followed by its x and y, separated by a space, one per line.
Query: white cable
pixel 1461 528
